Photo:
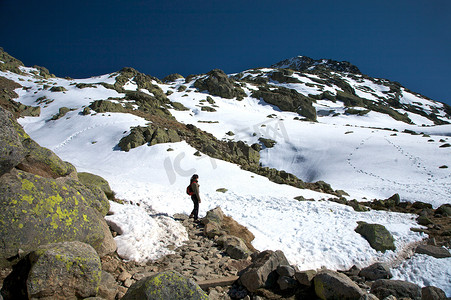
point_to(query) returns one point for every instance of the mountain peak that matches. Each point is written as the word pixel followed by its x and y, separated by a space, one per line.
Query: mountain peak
pixel 304 63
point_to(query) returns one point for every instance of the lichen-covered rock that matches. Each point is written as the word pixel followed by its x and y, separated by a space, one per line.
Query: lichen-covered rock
pixel 58 89
pixel 333 285
pixel 377 235
pixel 61 213
pixel 12 151
pixel 383 288
pixel 58 271
pixel 219 84
pixel 165 285
pixel 61 113
pixel 89 179
pixel 263 270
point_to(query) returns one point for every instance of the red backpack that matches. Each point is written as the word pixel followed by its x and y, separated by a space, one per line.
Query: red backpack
pixel 189 190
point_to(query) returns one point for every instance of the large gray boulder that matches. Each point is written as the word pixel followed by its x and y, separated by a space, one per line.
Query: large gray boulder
pixel 383 288
pixel 68 270
pixel 262 273
pixel 377 235
pixel 165 285
pixel 333 285
pixel 59 211
pixel 234 246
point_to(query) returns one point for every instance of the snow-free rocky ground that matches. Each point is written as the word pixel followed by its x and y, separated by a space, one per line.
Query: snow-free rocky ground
pixel 350 152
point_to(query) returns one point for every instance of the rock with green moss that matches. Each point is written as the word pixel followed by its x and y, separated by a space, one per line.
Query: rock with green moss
pixel 58 271
pixel 267 142
pixel 89 179
pixel 377 236
pixel 219 84
pixel 43 162
pixel 61 213
pixel 165 285
pixel 152 134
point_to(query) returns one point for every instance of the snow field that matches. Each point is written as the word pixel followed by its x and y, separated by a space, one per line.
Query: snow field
pixel 368 163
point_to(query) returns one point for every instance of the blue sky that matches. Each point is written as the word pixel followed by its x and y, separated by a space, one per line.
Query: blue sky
pixel 408 41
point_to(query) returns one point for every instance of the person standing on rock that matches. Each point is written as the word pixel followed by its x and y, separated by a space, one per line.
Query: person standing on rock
pixel 194 185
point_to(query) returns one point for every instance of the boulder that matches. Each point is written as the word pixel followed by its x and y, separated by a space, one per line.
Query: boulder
pixel 60 212
pixel 377 235
pixel 333 285
pixel 262 272
pixel 434 251
pixel 215 215
pixel 432 293
pixel 89 179
pixel 43 162
pixel 383 288
pixel 56 271
pixel 165 285
pixel 376 271
pixel 12 151
pixel 172 77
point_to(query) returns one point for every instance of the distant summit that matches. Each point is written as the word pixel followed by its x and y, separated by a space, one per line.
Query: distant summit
pixel 304 63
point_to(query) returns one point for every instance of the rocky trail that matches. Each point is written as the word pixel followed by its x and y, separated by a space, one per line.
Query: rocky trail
pixel 201 259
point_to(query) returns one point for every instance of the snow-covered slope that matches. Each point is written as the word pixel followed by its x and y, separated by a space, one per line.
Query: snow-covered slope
pixel 368 155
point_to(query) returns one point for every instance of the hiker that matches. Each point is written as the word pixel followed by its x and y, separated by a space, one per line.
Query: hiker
pixel 194 187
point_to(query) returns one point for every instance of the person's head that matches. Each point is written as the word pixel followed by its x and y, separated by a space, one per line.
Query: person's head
pixel 194 177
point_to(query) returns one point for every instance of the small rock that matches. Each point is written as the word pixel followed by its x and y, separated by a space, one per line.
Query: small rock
pixel 286 283
pixel 305 277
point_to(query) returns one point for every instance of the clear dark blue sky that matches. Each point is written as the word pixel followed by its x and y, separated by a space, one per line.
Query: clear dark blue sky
pixel 403 40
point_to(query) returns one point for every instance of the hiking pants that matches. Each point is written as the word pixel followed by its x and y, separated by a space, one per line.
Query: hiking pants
pixel 195 211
